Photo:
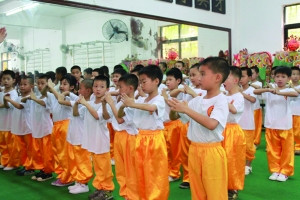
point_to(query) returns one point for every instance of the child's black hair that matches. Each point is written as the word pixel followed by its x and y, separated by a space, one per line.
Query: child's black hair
pixel 153 72
pixel 236 71
pixel 51 75
pixel 88 70
pixel 248 70
pixel 273 68
pixel 105 69
pixel 295 69
pixel 118 67
pixel 43 76
pixel 137 68
pixel 217 65
pixel 61 70
pixel 283 70
pixel 29 78
pixel 119 71
pixel 70 79
pixel 9 72
pixel 255 68
pixel 196 65
pixel 130 79
pixel 76 67
pixel 176 73
pixel 102 78
pixel 182 63
pixel 164 64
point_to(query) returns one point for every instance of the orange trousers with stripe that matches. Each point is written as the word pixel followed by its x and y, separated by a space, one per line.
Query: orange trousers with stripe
pixel 42 154
pixel 208 171
pixel 23 146
pixel 185 145
pixel 234 144
pixel 280 151
pixel 60 150
pixel 79 163
pixel 250 148
pixel 152 165
pixel 296 131
pixel 124 149
pixel 111 136
pixel 258 125
pixel 172 136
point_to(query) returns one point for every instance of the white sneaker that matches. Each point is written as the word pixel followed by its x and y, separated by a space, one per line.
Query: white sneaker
pixel 172 179
pixel 81 188
pixel 248 170
pixel 73 186
pixel 282 178
pixel 112 162
pixel 8 168
pixel 274 176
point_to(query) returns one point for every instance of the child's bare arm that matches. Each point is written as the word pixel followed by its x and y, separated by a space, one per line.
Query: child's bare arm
pixel 92 111
pixel 142 106
pixel 110 102
pixel 12 102
pixel 174 93
pixel 39 101
pixel 105 114
pixel 75 109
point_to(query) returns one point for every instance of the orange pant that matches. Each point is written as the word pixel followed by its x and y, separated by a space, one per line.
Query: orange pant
pixel 152 165
pixel 250 148
pixel 185 145
pixel 258 125
pixel 60 150
pixel 79 162
pixel 111 136
pixel 125 164
pixel 280 151
pixel 104 176
pixel 172 136
pixel 23 146
pixel 296 131
pixel 42 154
pixel 208 171
pixel 8 155
pixel 234 144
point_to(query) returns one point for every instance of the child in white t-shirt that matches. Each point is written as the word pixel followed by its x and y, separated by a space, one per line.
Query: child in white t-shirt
pixel 278 123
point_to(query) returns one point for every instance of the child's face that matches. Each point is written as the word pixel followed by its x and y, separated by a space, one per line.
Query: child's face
pixel 172 83
pixel 64 86
pixel 41 83
pixel 7 81
pixel 115 78
pixel 245 78
pixel 76 73
pixel 272 74
pixel 25 86
pixel 295 76
pixel 254 75
pixel 86 75
pixel 162 68
pixel 58 76
pixel 147 84
pixel 230 82
pixel 84 91
pixel 281 79
pixel 195 76
pixel 179 66
pixel 99 88
pixel 94 74
pixel 208 78
pixel 124 88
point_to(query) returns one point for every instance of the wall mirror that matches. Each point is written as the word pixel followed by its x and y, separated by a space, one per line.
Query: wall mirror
pixel 43 36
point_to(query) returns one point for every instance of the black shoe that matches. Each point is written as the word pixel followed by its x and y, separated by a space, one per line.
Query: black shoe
pixel 38 174
pixel 44 177
pixel 94 194
pixel 103 195
pixel 232 194
pixel 184 185
pixel 20 171
pixel 25 172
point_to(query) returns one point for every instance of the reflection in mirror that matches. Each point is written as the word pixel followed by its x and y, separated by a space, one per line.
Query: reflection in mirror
pixel 45 36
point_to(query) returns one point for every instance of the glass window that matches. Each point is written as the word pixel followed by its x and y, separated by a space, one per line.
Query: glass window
pixel 292 14
pixel 294 31
pixel 187 31
pixel 166 47
pixel 189 49
pixel 170 32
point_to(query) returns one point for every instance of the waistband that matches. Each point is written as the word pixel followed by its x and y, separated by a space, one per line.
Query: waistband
pixel 61 122
pixel 149 132
pixel 213 144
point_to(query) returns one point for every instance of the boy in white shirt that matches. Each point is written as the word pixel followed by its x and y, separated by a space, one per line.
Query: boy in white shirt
pixel 278 123
pixel 295 77
pixel 95 138
pixel 125 137
pixel 22 126
pixel 151 151
pixel 257 108
pixel 207 115
pixel 6 138
pixel 247 119
pixel 234 141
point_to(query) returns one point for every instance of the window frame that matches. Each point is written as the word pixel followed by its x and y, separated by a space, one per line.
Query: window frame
pixel 287 27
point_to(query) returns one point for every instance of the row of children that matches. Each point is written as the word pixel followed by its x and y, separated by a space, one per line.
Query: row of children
pixel 151 151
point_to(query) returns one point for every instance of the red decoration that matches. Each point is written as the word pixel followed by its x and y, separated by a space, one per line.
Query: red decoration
pixel 292 43
pixel 172 54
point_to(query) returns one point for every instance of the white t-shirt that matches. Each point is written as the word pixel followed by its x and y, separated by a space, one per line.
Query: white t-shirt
pixel 95 136
pixel 237 100
pixel 161 87
pixel 257 103
pixel 247 119
pixel 198 91
pixel 296 104
pixel 21 118
pixel 150 121
pixel 278 113
pixel 128 124
pixel 5 113
pixel 215 108
pixel 62 112
pixel 40 118
pixel 75 129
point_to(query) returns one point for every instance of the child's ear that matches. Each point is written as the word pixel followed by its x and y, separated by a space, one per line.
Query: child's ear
pixel 178 81
pixel 72 88
pixel 219 77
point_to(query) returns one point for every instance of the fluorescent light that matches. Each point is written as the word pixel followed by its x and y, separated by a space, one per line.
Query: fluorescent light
pixel 21 8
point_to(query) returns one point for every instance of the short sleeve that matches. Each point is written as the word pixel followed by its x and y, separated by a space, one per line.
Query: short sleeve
pixel 160 106
pixel 220 112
